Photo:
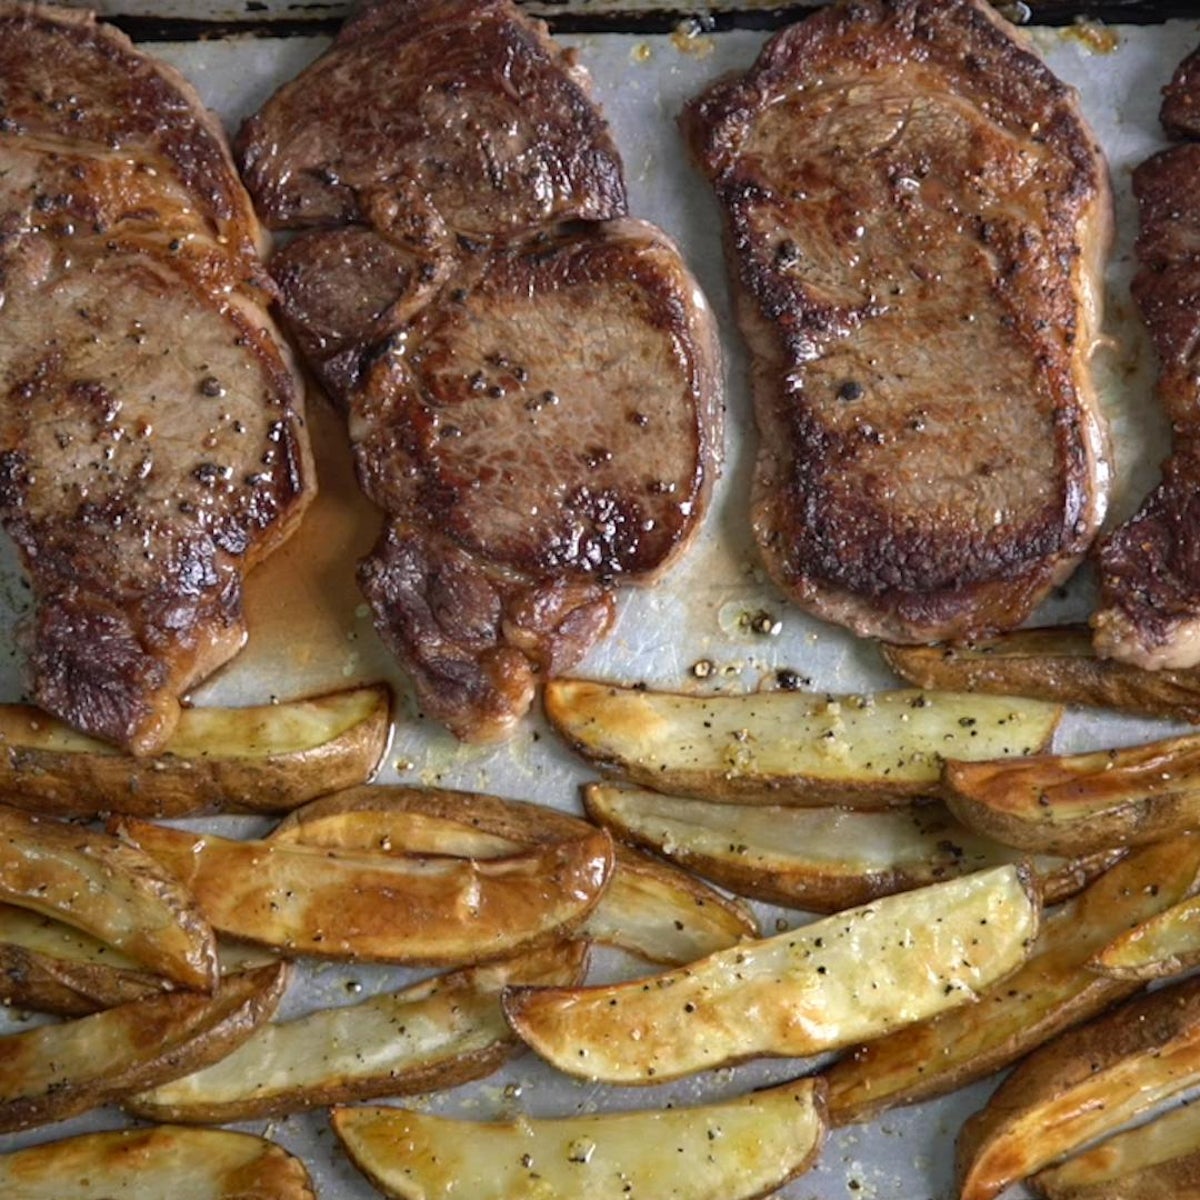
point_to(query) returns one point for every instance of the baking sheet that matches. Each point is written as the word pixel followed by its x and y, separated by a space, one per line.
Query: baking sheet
pixel 310 631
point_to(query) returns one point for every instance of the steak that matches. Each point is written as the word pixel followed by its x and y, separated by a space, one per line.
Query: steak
pixel 916 221
pixel 151 437
pixel 530 378
pixel 451 117
pixel 1149 612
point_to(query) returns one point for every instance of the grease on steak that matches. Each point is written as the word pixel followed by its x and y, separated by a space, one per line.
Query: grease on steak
pixel 531 379
pixel 151 449
pixel 916 217
pixel 1149 613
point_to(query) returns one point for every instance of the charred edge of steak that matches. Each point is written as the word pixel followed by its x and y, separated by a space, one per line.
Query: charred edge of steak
pixel 1180 111
pixel 1149 612
pixel 473 643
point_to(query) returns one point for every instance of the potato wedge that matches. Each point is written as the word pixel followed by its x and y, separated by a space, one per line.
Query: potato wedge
pixel 649 908
pixel 790 747
pixel 1054 990
pixel 1165 943
pixel 733 1150
pixel 113 891
pixel 818 859
pixel 1150 1162
pixel 266 758
pixel 55 1071
pixel 1052 663
pixel 839 980
pixel 148 1164
pixel 433 1035
pixel 1081 803
pixel 378 907
pixel 1086 1083
pixel 50 967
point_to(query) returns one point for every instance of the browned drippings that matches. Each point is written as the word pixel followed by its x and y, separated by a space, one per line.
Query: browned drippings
pixel 309 628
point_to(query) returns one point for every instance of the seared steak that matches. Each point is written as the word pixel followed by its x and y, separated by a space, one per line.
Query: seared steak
pixel 151 444
pixel 916 219
pixel 532 392
pixel 1180 113
pixel 1149 611
pixel 455 115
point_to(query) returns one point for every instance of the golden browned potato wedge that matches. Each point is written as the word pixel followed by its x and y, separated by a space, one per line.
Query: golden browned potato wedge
pixel 1081 803
pixel 839 980
pixel 148 1164
pixel 55 1071
pixel 434 1035
pixel 791 747
pixel 733 1150
pixel 1086 1083
pixel 1165 943
pixel 818 859
pixel 1155 1161
pixel 113 891
pixel 267 758
pixel 50 967
pixel 379 907
pixel 1054 990
pixel 1053 663
pixel 648 908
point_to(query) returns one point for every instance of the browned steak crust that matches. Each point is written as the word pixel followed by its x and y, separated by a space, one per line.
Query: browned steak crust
pixel 916 218
pixel 460 112
pixel 1149 612
pixel 151 443
pixel 533 400
pixel 1180 113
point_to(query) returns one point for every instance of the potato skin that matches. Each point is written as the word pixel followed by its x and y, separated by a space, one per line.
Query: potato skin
pixel 47 769
pixel 1084 1084
pixel 1081 803
pixel 57 1071
pixel 1053 663
pixel 29 979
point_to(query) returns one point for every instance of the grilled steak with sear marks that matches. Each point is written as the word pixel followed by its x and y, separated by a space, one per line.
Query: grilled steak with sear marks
pixel 151 444
pixel 916 220
pixel 532 392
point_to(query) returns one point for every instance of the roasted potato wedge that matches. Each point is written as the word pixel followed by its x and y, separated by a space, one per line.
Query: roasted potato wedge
pixel 1053 663
pixel 733 1150
pixel 1165 943
pixel 267 758
pixel 818 859
pixel 648 908
pixel 50 967
pixel 790 747
pixel 1054 990
pixel 383 908
pixel 148 1164
pixel 1086 1083
pixel 1155 1161
pixel 839 980
pixel 1081 803
pixel 55 1071
pixel 113 891
pixel 434 1035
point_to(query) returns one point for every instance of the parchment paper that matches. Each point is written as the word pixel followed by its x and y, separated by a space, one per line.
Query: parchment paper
pixel 698 612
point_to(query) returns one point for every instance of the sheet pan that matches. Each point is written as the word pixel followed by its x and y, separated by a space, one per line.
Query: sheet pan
pixel 309 630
